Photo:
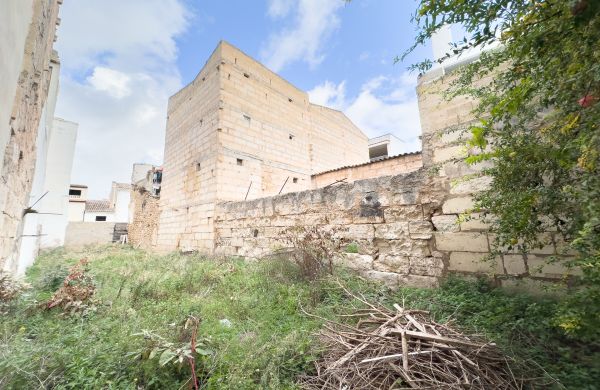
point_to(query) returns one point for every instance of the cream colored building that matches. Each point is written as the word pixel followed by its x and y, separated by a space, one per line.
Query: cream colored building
pixel 239 131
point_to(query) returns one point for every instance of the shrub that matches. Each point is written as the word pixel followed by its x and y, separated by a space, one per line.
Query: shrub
pixel 77 290
pixel 10 288
pixel 313 250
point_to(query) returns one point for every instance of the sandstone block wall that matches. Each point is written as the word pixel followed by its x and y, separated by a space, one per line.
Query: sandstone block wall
pixel 459 231
pixel 80 234
pixel 239 131
pixel 18 146
pixel 404 163
pixel 403 235
pixel 412 228
pixel 387 217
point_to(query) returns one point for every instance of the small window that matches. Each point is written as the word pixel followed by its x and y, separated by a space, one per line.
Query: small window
pixel 290 100
pixel 292 136
pixel 100 218
pixel 246 75
pixel 240 161
pixel 198 166
pixel 247 118
pixel 75 192
pixel 295 180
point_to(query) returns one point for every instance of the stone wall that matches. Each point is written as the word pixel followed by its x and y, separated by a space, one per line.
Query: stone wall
pixel 18 139
pixel 461 233
pixel 405 230
pixel 80 234
pixel 410 228
pixel 144 224
pixel 403 163
pixel 387 217
pixel 240 131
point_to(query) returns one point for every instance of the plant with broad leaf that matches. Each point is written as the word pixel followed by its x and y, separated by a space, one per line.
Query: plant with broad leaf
pixel 188 352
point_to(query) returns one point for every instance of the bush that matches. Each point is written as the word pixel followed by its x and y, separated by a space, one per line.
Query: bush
pixel 313 250
pixel 10 289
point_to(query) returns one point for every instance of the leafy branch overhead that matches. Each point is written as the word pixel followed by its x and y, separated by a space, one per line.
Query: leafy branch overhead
pixel 537 120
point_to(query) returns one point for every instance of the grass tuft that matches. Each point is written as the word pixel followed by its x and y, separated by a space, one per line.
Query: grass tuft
pixel 266 341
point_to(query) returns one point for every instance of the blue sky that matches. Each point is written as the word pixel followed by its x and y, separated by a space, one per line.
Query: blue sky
pixel 122 59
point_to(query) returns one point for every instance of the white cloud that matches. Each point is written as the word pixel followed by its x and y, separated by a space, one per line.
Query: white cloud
pixel 113 82
pixel 330 95
pixel 314 21
pixel 383 105
pixel 280 8
pixel 118 71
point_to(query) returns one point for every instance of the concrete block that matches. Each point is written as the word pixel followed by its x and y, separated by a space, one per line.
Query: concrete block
pixel 418 281
pixel 445 223
pixel 474 262
pixel 546 267
pixel 474 222
pixel 392 231
pixel 360 232
pixel 390 279
pixel 392 263
pixel 448 153
pixel 420 230
pixel 467 186
pixel 458 205
pixel 355 261
pixel 403 213
pixel 514 265
pixel 463 242
pixel 427 266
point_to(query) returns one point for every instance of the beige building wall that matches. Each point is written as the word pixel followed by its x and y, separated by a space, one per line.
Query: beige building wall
pixel 27 35
pixel 390 166
pixel 240 131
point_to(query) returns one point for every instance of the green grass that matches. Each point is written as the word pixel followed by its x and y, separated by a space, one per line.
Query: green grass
pixel 270 341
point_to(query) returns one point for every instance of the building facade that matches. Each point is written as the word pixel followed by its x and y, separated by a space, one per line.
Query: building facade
pixel 239 131
pixel 27 75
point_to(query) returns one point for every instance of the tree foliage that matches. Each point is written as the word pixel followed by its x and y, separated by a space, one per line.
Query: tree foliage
pixel 537 120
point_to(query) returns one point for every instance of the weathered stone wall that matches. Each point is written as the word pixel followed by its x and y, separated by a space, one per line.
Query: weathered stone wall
pixel 388 217
pixel 405 231
pixel 239 131
pixel 404 163
pixel 19 151
pixel 459 232
pixel 80 234
pixel 410 228
pixel 144 224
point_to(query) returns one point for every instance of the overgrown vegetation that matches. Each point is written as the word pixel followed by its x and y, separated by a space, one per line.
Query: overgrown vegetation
pixel 312 249
pixel 538 121
pixel 251 330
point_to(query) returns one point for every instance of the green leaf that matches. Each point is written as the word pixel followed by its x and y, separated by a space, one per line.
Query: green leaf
pixel 166 357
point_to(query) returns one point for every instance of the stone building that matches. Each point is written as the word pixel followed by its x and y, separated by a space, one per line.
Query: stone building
pixel 239 134
pixel 239 131
pixel 27 33
pixel 146 180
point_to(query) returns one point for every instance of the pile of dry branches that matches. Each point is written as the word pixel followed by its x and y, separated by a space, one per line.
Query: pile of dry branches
pixel 406 349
